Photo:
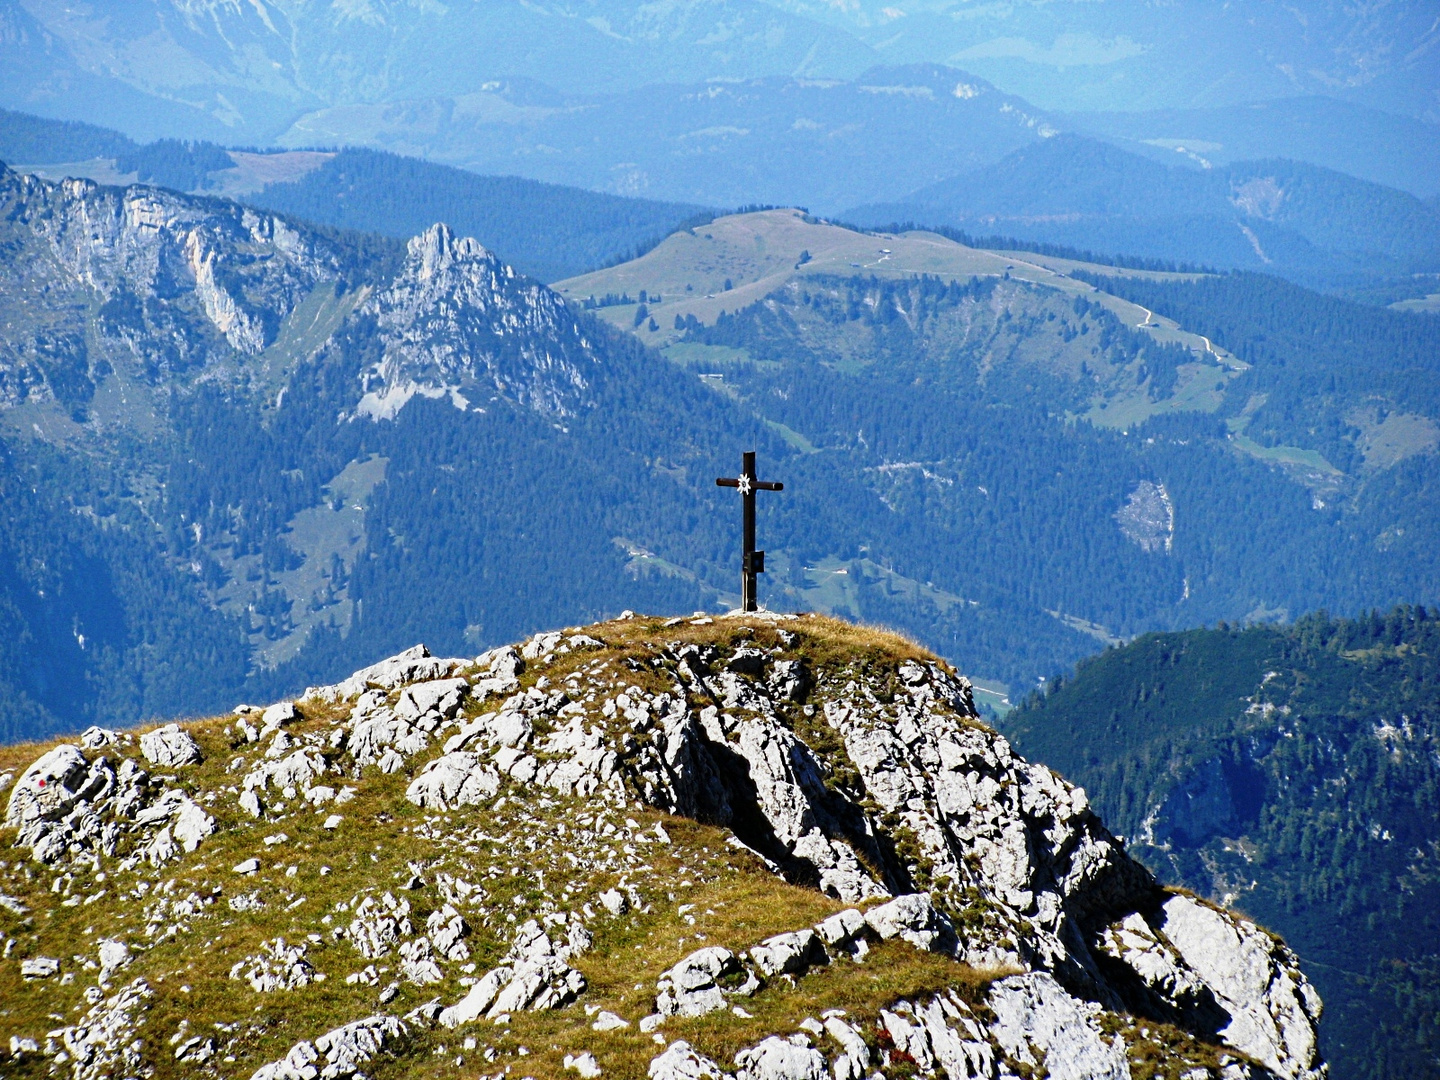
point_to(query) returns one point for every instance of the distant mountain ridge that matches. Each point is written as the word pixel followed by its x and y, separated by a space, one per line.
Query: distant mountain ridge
pixel 778 139
pixel 1397 151
pixel 545 230
pixel 1276 216
pixel 243 73
pixel 1126 55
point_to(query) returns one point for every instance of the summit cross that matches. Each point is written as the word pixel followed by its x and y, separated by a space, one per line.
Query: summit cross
pixel 752 562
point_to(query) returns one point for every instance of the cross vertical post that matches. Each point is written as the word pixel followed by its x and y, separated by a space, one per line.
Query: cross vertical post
pixel 752 562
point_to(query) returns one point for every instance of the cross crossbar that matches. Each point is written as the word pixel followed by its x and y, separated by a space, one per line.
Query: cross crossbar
pixel 752 562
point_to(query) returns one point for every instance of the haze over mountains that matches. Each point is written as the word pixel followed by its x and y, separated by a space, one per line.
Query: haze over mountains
pixel 249 69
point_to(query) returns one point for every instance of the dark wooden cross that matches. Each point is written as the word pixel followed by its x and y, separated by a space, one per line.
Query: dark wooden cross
pixel 752 562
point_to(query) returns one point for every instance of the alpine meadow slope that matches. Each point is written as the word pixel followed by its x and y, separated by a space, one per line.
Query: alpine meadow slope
pixel 755 847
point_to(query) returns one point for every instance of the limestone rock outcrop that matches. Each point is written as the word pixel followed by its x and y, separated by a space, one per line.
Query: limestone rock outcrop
pixel 557 798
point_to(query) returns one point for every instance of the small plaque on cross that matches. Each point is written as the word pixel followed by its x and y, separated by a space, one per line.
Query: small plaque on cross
pixel 752 562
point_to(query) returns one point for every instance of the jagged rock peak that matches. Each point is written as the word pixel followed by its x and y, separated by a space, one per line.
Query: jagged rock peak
pixel 437 249
pixel 749 846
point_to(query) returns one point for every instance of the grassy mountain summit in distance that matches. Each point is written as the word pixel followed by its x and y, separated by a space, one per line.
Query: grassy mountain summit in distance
pixel 1290 771
pixel 753 846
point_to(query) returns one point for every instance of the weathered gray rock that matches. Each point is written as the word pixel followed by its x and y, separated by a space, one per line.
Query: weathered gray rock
pixel 702 983
pixel 279 714
pixel 605 1020
pixel 338 1054
pixel 854 1056
pixel 789 787
pixel 458 779
pixel 502 663
pixel 114 955
pixel 942 1033
pixel 94 737
pixel 104 1043
pixel 439 698
pixel 379 923
pixel 781 1059
pixel 39 967
pixel 1273 1008
pixel 911 918
pixel 417 962
pixel 533 976
pixel 842 928
pixel 415 664
pixel 583 1063
pixel 278 967
pixel 541 645
pixel 680 1062
pixel 192 825
pixel 170 747
pixel 789 954
pixel 49 787
pixel 447 930
pixel 1037 1021
pixel 478 1000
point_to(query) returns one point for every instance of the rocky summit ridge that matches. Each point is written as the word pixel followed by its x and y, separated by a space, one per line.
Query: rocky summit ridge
pixel 753 846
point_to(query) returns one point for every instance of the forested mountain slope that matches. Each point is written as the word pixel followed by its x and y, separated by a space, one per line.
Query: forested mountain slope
pixel 1293 771
pixel 198 410
pixel 1294 472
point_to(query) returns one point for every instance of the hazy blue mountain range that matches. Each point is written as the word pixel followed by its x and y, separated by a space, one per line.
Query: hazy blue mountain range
pixel 1124 55
pixel 827 144
pixel 618 96
pixel 247 70
pixel 1312 224
pixel 1397 151
pixel 1279 216
pixel 1291 772
pixel 780 139
pixel 243 73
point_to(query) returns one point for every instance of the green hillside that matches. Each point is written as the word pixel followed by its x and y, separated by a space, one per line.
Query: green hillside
pixel 1293 771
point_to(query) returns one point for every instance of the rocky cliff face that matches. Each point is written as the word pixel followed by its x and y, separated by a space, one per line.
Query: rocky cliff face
pixel 456 316
pixel 155 289
pixel 758 846
pixel 143 281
